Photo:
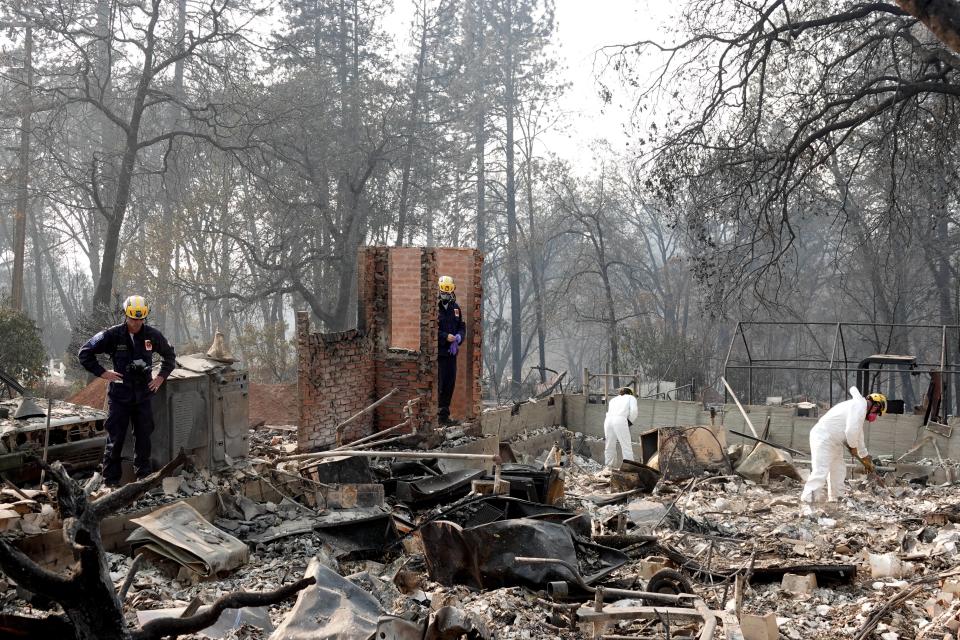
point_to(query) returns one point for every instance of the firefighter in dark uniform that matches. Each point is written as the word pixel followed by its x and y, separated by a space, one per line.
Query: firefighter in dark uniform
pixel 452 331
pixel 131 346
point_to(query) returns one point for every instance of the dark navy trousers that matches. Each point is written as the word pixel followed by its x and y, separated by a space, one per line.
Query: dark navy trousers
pixel 119 417
pixel 447 381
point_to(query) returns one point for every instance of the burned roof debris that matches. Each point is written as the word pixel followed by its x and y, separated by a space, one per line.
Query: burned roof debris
pixel 439 537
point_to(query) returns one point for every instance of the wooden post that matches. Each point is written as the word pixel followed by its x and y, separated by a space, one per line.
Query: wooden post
pixel 586 382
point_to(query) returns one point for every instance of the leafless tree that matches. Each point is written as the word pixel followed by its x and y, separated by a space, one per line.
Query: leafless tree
pixel 766 95
pixel 87 594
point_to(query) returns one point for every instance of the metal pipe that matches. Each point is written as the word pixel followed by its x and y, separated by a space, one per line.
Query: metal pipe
pixel 740 406
pixel 402 455
pixel 709 620
pixel 767 442
pixel 846 324
pixel 845 369
pixel 377 435
pixel 561 589
pixel 726 361
pixel 339 428
pixel 46 437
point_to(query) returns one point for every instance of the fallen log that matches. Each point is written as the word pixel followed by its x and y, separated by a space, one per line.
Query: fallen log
pixel 164 627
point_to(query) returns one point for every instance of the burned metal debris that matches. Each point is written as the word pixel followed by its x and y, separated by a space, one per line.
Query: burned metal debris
pixel 404 546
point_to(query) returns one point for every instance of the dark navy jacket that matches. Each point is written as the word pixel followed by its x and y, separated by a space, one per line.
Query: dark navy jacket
pixel 450 321
pixel 115 342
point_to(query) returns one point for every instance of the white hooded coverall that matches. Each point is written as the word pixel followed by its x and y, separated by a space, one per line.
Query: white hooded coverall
pixel 842 424
pixel 615 427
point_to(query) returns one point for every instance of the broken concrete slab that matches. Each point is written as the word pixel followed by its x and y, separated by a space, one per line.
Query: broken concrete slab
pixel 9 519
pixel 889 565
pixel 172 486
pixel 754 627
pixel 646 514
pixel 799 584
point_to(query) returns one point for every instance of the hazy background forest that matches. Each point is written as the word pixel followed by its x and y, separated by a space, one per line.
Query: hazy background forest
pixel 636 188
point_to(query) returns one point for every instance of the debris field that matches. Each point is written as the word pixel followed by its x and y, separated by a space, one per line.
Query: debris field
pixel 544 545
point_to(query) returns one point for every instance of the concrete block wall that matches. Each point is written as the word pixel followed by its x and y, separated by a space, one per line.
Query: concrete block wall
pixel 891 435
pixel 531 415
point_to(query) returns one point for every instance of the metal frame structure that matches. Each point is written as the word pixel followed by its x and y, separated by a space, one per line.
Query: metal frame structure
pixel 634 380
pixel 839 361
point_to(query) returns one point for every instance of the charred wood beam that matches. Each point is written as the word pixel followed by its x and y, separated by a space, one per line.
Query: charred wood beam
pixel 13 626
pixel 87 594
pixel 26 573
pixel 114 501
pixel 131 574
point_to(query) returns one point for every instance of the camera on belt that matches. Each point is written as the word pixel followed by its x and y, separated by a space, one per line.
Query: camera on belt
pixel 138 371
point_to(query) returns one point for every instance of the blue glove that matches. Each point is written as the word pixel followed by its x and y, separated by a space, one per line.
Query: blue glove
pixel 457 336
pixel 453 347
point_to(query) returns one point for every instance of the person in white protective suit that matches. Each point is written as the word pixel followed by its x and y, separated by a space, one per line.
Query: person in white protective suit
pixel 841 427
pixel 621 412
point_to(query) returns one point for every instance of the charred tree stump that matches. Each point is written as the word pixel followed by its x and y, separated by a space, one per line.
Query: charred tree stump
pixel 87 594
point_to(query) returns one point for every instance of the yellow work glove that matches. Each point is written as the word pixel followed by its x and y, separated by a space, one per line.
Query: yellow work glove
pixel 868 464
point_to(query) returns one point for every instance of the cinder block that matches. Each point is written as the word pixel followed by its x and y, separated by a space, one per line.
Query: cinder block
pixel 651 565
pixel 759 627
pixel 799 584
pixel 953 624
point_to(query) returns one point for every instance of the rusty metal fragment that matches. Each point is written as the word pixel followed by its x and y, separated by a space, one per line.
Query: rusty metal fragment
pixel 484 557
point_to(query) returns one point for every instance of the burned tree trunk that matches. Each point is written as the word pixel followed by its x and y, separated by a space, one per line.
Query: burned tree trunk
pixel 87 595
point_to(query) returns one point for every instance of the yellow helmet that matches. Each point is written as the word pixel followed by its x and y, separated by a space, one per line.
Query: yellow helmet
pixel 446 284
pixel 881 400
pixel 136 307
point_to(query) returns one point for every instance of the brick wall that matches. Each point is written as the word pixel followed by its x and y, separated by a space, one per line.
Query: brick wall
pixel 413 372
pixel 335 379
pixel 464 265
pixel 404 298
pixel 394 346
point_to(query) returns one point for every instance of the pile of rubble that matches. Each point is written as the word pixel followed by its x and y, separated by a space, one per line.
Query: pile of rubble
pixel 553 546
